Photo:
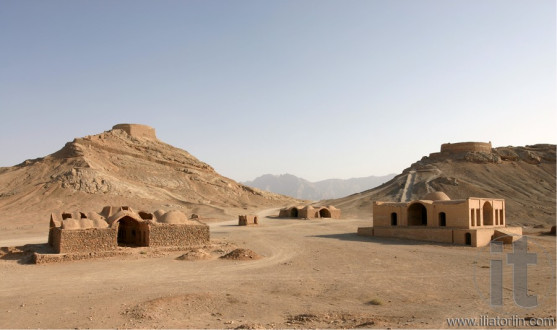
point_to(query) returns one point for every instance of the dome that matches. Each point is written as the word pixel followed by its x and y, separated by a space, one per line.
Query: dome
pixel 70 224
pixel 159 213
pixel 85 223
pixel 95 216
pixel 174 217
pixel 98 220
pixel 436 196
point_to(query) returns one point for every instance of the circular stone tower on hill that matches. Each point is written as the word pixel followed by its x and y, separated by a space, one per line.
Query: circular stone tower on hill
pixel 454 148
pixel 137 130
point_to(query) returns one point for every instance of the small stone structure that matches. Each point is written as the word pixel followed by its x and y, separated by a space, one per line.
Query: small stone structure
pixel 437 218
pixel 310 212
pixel 137 130
pixel 463 147
pixel 114 226
pixel 247 220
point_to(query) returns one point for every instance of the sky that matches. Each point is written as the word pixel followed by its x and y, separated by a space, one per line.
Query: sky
pixel 319 89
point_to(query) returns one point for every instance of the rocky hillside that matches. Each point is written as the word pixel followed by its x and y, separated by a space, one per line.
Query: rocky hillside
pixel 291 185
pixel 117 168
pixel 523 176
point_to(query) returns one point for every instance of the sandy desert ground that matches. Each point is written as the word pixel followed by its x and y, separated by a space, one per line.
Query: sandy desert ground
pixel 313 273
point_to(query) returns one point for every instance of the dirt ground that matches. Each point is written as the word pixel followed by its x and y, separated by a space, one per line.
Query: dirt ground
pixel 312 274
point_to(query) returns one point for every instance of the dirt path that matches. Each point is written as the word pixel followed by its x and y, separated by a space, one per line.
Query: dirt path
pixel 24 240
pixel 406 194
pixel 314 273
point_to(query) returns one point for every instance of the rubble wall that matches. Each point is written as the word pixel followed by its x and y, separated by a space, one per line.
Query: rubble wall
pixel 178 235
pixel 90 240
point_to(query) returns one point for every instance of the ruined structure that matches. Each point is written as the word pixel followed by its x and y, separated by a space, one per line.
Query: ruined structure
pixel 122 226
pixel 310 212
pixel 437 218
pixel 462 148
pixel 137 130
pixel 246 220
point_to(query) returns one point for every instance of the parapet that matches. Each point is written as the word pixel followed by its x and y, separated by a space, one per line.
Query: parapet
pixel 137 130
pixel 460 147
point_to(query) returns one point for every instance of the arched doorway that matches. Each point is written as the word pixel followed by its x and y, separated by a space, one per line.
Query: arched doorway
pixel 394 219
pixel 488 214
pixel 130 233
pixel 417 215
pixel 324 213
pixel 468 238
pixel 293 212
pixel 442 219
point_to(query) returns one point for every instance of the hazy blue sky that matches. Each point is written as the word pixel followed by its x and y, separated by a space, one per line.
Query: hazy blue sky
pixel 320 89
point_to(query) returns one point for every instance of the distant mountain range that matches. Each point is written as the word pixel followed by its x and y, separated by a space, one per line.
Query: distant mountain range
pixel 291 185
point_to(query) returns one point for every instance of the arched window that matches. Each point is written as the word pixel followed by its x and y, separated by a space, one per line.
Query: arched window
pixel 442 219
pixel 324 213
pixel 488 214
pixel 417 215
pixel 294 212
pixel 394 219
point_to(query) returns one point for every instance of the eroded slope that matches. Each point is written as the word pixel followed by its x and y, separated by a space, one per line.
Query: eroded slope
pixel 119 169
pixel 523 176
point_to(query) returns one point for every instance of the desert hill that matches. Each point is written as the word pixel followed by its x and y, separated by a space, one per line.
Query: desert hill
pixel 291 185
pixel 523 176
pixel 127 165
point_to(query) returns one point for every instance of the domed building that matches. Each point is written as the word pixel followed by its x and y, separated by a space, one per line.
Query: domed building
pixel 173 217
pixel 436 196
pixel 310 212
pixel 122 226
pixel 435 217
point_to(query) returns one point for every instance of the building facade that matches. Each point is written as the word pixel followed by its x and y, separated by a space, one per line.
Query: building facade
pixel 471 221
pixel 247 220
pixel 310 212
pixel 122 226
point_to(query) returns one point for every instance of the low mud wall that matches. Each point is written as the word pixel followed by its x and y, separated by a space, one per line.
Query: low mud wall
pixel 178 235
pixel 90 240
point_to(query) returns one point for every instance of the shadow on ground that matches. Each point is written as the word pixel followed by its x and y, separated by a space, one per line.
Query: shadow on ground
pixel 381 240
pixel 24 254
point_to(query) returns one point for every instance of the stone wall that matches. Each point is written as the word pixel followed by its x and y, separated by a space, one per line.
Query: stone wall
pixel 54 236
pixel 286 213
pixel 310 212
pixel 441 235
pixel 465 213
pixel 365 231
pixel 335 213
pixel 466 147
pixel 479 237
pixel 90 240
pixel 244 220
pixel 137 130
pixel 476 237
pixel 178 235
pixel 41 258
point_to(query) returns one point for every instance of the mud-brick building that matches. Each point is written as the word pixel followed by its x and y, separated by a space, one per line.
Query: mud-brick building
pixel 436 218
pixel 310 212
pixel 122 226
pixel 247 220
